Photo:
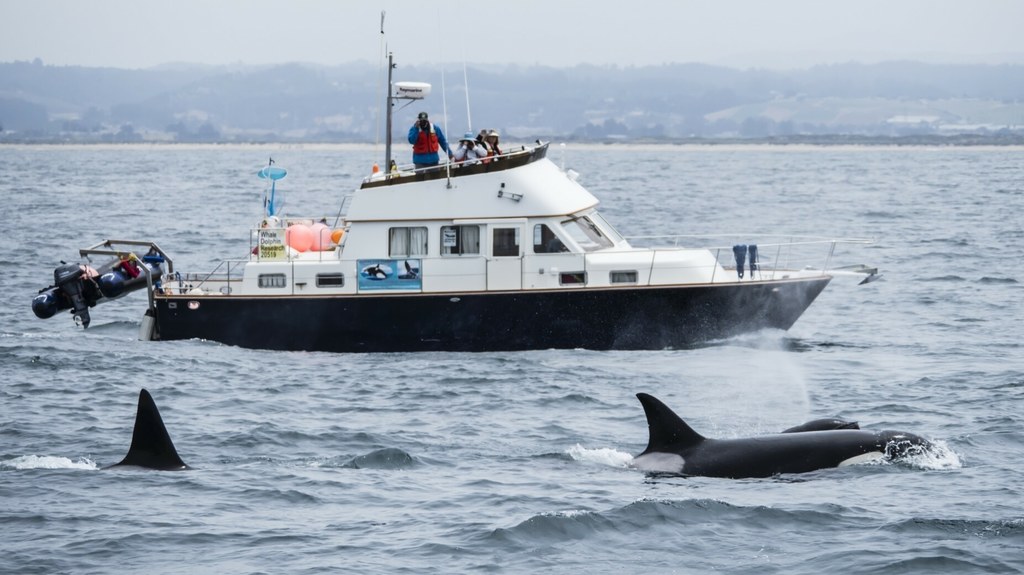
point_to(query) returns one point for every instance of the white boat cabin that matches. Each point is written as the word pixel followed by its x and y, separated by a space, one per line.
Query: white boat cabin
pixel 523 226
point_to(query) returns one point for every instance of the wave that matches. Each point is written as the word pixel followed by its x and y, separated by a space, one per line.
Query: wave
pixel 650 514
pixel 24 462
pixel 603 456
pixel 937 456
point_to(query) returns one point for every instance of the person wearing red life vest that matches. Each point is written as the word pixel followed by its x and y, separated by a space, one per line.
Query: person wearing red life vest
pixel 426 138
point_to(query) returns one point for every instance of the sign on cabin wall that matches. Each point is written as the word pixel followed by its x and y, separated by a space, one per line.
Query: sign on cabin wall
pixel 271 244
pixel 449 237
pixel 389 275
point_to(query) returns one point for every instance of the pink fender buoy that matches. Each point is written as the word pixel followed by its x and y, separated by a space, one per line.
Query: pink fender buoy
pixel 321 237
pixel 299 237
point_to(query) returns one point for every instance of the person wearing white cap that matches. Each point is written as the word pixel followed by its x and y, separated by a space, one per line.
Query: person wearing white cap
pixel 492 142
pixel 469 151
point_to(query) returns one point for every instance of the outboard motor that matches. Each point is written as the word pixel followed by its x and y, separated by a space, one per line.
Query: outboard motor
pixel 68 279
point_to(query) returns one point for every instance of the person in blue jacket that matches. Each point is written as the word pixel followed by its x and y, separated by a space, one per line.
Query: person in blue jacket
pixel 426 138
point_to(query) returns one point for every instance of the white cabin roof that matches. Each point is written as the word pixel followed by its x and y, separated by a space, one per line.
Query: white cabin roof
pixel 536 189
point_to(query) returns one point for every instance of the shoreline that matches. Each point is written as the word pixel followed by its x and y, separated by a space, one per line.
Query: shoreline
pixel 729 145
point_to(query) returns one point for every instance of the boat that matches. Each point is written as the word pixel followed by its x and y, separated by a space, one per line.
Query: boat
pixel 506 254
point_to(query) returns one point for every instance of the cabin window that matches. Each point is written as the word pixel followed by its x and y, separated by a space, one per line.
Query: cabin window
pixel 505 242
pixel 458 240
pixel 272 280
pixel 545 241
pixel 623 277
pixel 604 226
pixel 572 278
pixel 586 233
pixel 330 280
pixel 411 241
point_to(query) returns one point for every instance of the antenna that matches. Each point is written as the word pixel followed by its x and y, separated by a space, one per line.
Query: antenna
pixel 401 91
pixel 444 100
pixel 390 106
pixel 465 80
pixel 383 48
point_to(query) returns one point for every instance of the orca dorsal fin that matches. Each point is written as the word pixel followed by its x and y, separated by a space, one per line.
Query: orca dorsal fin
pixel 668 432
pixel 151 445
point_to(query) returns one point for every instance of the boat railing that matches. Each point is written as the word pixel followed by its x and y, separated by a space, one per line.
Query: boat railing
pixel 122 248
pixel 511 158
pixel 779 254
pixel 221 279
pixel 125 249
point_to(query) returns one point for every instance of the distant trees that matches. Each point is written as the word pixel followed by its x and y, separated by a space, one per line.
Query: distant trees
pixel 302 102
pixel 127 134
pixel 20 115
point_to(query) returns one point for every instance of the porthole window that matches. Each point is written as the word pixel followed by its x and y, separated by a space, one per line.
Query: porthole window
pixel 330 280
pixel 272 280
pixel 623 277
pixel 572 278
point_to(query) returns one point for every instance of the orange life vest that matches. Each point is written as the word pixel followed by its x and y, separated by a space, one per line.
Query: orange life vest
pixel 426 142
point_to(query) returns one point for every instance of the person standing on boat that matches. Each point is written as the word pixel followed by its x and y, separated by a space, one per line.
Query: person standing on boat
pixel 492 142
pixel 468 150
pixel 426 138
pixel 481 140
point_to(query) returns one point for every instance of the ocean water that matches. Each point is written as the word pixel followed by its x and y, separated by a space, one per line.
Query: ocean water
pixel 519 462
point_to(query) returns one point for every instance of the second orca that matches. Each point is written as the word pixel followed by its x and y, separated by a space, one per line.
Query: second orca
pixel 674 447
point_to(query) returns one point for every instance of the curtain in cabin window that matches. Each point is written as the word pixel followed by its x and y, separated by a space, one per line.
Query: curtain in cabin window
pixel 458 240
pixel 404 242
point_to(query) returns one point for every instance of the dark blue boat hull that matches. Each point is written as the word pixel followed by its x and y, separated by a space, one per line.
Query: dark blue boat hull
pixel 599 319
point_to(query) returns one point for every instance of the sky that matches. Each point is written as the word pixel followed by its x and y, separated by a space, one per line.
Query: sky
pixel 777 34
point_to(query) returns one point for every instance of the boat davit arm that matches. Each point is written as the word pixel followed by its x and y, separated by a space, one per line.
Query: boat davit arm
pixel 79 286
pixel 109 248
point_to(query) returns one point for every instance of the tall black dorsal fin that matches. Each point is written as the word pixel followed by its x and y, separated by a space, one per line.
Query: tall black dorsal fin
pixel 151 445
pixel 668 432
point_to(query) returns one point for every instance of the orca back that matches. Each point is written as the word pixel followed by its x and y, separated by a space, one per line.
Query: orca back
pixel 151 444
pixel 827 424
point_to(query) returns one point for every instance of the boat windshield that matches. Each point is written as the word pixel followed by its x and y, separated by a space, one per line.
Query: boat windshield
pixel 607 228
pixel 586 234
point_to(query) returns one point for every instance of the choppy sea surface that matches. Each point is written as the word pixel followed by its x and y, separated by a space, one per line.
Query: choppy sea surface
pixel 519 462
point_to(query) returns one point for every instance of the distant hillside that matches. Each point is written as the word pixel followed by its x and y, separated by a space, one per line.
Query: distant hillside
pixel 297 102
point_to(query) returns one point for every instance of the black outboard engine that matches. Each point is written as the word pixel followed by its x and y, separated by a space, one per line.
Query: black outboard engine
pixel 68 279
